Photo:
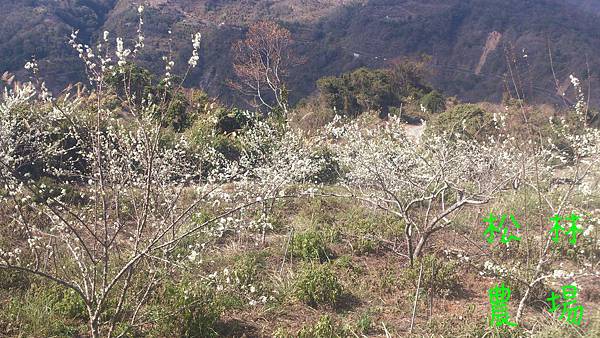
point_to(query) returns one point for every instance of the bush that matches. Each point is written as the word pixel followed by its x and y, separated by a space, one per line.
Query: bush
pixel 185 310
pixel 434 102
pixel 329 170
pixel 466 120
pixel 437 274
pixel 373 89
pixel 318 284
pixel 324 327
pixel 10 279
pixel 43 310
pixel 48 189
pixel 310 246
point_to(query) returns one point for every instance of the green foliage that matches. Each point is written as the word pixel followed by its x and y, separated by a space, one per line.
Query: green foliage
pixel 362 227
pixel 10 279
pixel 324 327
pixel 44 310
pixel 47 189
pixel 537 294
pixel 329 171
pixel 177 114
pixel 134 81
pixel 565 330
pixel 364 323
pixel 366 89
pixel 466 120
pixel 220 128
pixel 248 267
pixel 317 284
pixel 174 108
pixel 434 102
pixel 327 327
pixel 439 276
pixel 231 120
pixel 229 146
pixel 310 246
pixel 185 309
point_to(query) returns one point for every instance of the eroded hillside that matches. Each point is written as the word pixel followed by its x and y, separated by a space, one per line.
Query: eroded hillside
pixel 332 37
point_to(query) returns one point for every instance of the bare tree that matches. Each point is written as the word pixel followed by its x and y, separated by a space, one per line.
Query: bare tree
pixel 261 63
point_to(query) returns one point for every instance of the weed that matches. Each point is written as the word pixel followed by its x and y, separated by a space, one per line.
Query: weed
pixel 364 323
pixel 324 327
pixel 310 246
pixel 185 310
pixel 318 284
pixel 439 276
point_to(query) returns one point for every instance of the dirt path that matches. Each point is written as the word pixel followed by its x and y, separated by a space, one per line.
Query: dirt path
pixel 415 132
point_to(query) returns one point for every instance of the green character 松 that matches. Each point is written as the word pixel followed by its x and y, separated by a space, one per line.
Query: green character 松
pixel 492 229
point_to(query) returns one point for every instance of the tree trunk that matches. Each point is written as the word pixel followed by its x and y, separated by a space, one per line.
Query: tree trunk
pixel 94 330
pixel 421 245
pixel 408 235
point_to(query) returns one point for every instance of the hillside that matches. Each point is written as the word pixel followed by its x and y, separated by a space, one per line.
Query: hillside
pixel 469 40
pixel 375 204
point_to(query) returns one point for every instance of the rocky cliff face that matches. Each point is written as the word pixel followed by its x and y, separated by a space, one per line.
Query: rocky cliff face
pixel 333 36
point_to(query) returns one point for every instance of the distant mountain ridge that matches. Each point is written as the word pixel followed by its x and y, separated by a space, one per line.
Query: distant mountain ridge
pixel 333 37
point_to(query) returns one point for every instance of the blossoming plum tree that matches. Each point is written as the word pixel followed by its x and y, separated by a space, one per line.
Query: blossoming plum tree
pixel 423 183
pixel 127 195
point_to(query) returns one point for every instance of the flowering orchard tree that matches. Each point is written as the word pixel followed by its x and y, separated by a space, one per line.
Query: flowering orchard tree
pixel 278 163
pixel 561 167
pixel 425 184
pixel 112 196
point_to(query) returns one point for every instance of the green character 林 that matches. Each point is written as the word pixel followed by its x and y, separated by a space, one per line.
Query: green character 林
pixel 572 231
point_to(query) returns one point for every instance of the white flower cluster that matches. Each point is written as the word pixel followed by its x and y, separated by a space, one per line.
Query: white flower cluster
pixel 385 164
pixel 122 53
pixel 494 270
pixel 196 39
pixel 230 281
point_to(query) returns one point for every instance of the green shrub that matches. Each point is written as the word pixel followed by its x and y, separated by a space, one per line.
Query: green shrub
pixel 434 102
pixel 226 145
pixel 10 279
pixel 466 120
pixel 329 170
pixel 364 323
pixel 185 310
pixel 229 121
pixel 325 327
pixel 43 310
pixel 438 275
pixel 46 189
pixel 310 246
pixel 317 284
pixel 248 267
pixel 373 89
